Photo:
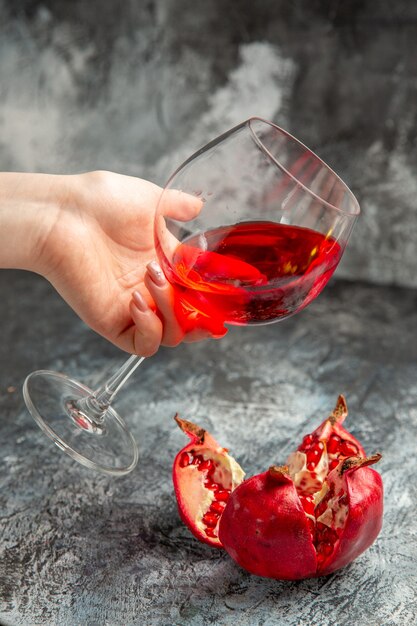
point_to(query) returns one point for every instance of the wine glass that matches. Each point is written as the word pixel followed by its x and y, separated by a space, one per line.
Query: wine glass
pixel 271 223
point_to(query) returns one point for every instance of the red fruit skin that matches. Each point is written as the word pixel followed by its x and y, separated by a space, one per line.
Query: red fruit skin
pixel 365 496
pixel 265 530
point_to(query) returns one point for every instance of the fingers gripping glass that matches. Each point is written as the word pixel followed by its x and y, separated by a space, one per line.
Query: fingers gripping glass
pixel 271 222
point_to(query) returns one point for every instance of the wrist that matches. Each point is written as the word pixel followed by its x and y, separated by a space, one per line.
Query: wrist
pixel 30 205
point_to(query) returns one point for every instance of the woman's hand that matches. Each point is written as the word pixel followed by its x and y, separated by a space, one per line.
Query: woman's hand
pixel 91 236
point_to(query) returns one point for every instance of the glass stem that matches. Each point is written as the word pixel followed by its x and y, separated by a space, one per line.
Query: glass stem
pixel 96 405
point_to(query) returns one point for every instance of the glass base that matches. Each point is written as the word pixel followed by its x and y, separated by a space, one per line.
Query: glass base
pixel 106 446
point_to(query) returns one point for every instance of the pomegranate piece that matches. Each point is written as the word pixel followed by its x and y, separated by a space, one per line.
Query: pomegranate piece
pixel 204 475
pixel 307 518
pixel 266 529
pixel 352 515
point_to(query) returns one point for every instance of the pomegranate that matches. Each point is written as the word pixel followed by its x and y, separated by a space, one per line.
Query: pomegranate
pixel 204 475
pixel 307 518
pixel 267 530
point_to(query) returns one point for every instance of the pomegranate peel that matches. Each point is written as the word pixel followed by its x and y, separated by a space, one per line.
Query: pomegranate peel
pixel 204 475
pixel 354 509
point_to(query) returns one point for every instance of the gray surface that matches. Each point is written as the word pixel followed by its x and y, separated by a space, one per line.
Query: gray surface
pixel 137 87
pixel 91 85
pixel 82 549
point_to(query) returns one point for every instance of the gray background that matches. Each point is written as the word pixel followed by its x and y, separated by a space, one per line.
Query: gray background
pixel 135 87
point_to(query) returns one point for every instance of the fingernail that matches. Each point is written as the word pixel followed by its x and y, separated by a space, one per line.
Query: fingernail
pixel 140 301
pixel 156 273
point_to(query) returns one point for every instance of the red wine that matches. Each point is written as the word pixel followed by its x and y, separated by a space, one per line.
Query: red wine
pixel 249 273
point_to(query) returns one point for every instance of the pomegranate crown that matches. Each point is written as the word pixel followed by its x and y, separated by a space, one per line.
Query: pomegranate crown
pixel 280 474
pixel 354 462
pixel 190 429
pixel 340 411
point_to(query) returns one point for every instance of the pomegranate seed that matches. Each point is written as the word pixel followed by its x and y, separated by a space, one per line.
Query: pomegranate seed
pixel 206 465
pixel 322 532
pixel 185 459
pixel 348 449
pixel 320 508
pixel 222 495
pixel 196 460
pixel 314 454
pixel 325 534
pixel 325 548
pixel 210 532
pixel 306 443
pixel 307 503
pixel 311 465
pixel 217 507
pixel 209 485
pixel 333 464
pixel 211 519
pixel 333 444
pixel 312 527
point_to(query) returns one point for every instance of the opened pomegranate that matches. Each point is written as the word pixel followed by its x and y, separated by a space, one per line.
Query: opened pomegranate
pixel 204 476
pixel 267 530
pixel 307 518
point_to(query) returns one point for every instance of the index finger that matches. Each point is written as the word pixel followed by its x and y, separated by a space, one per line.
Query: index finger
pixel 179 205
